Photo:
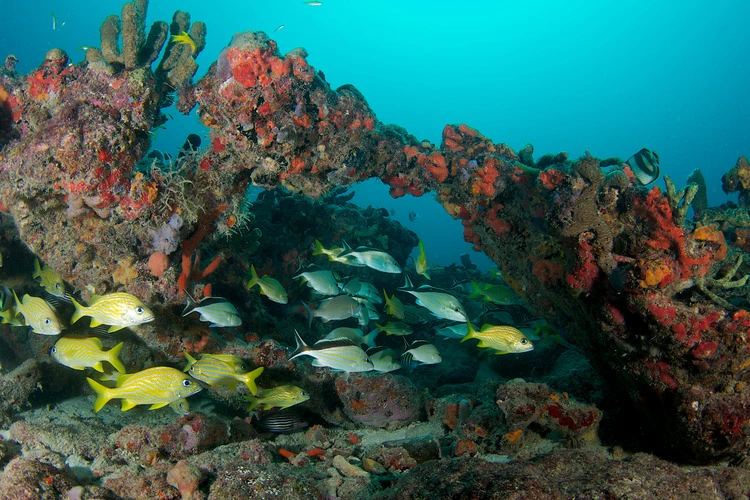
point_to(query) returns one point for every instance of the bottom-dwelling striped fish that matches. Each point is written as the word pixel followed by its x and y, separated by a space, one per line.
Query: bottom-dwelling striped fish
pixel 282 422
pixel 282 396
pixel 338 354
pixel 81 353
pixel 504 339
pixel 222 370
pixel 157 386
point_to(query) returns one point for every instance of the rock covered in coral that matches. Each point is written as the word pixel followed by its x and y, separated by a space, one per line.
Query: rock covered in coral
pixel 379 400
pixel 737 180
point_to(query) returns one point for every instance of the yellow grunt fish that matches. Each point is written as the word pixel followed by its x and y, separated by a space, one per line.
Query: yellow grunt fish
pixel 117 309
pixel 38 314
pixel 185 39
pixel 81 353
pixel 157 386
pixel 217 371
pixel 504 339
pixel 282 396
pixel 234 361
pixel 490 292
pixel 334 254
pixel 421 264
pixel 269 287
pixel 49 279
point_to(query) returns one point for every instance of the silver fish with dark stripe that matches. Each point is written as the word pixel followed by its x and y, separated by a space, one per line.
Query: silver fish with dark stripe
pixel 645 165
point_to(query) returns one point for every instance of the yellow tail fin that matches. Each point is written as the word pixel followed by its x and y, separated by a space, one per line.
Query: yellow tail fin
pixel 78 313
pixel 249 380
pixel 103 394
pixel 253 277
pixel 471 332
pixel 113 356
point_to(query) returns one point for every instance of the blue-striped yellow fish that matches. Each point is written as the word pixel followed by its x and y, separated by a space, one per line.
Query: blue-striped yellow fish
pixel 38 314
pixel 420 264
pixel 340 354
pixel 218 370
pixel 118 309
pixel 49 279
pixel 503 339
pixel 81 353
pixel 157 386
pixel 269 287
pixel 397 328
pixel 282 396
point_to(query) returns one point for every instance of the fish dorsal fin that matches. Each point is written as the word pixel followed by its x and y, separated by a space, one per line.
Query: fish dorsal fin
pixel 331 343
pixel 94 299
pixel 301 346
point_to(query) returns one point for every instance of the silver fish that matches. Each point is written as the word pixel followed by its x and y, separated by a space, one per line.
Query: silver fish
pixel 442 305
pixel 421 352
pixel 341 354
pixel 374 259
pixel 354 334
pixel 362 289
pixel 335 308
pixel 384 360
pixel 216 311
pixel 323 281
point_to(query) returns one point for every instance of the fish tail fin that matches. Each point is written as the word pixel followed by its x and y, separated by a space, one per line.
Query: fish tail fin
pixel 318 248
pixel 191 303
pixel 408 285
pixel 37 269
pixel 190 361
pixel 103 394
pixel 78 313
pixel 254 402
pixel 301 346
pixel 471 333
pixel 369 339
pixel 253 277
pixel 249 380
pixel 309 314
pixel 113 356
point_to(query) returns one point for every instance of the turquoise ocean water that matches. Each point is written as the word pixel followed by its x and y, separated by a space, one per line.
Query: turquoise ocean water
pixel 605 77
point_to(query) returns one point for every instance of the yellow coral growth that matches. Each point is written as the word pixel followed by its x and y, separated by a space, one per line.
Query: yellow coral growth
pixel 655 272
pixel 713 235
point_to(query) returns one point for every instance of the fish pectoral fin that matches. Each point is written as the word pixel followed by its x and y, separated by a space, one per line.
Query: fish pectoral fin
pixel 94 323
pixel 127 405
pixel 498 353
pixel 482 344
pixel 114 328
pixel 78 367
pixel 156 406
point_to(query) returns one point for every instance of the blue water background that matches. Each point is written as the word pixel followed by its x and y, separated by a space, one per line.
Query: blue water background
pixel 607 77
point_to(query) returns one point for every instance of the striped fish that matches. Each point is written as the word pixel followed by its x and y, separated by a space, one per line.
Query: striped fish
pixel 157 386
pixel 282 396
pixel 339 354
pixel 81 353
pixel 117 309
pixel 420 352
pixel 645 165
pixel 50 280
pixel 38 314
pixel 503 339
pixel 216 371
pixel 282 422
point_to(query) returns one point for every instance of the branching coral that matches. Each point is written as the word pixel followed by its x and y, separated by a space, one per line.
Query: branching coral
pixel 680 200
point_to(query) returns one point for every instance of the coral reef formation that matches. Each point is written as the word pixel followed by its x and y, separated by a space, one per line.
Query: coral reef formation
pixel 658 303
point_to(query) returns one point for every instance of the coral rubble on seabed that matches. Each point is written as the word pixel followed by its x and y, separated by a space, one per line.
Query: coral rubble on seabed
pixel 658 303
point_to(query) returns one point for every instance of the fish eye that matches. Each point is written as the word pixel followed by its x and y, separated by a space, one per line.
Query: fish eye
pixel 303 394
pixel 139 310
pixel 524 341
pixel 243 367
pixel 53 350
pixel 47 321
pixel 186 383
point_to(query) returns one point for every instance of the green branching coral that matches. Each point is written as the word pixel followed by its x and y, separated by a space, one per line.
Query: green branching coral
pixel 679 201
pixel 709 285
